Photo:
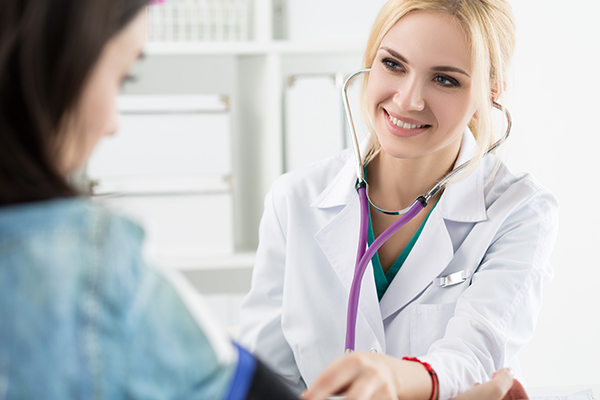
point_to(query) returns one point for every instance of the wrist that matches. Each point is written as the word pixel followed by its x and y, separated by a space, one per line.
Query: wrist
pixel 434 383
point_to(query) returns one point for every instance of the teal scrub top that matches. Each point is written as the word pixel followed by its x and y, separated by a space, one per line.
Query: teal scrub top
pixel 383 280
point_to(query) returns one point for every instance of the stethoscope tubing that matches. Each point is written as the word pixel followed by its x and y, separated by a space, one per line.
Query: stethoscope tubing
pixel 359 171
pixel 352 310
pixel 364 255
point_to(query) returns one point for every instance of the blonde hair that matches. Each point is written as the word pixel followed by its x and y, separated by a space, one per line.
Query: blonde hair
pixel 490 30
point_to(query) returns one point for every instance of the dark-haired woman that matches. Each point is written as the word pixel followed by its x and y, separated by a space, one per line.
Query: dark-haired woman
pixel 81 317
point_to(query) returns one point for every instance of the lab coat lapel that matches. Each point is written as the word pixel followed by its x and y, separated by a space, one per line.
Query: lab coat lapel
pixel 339 241
pixel 462 201
pixel 342 229
pixel 421 267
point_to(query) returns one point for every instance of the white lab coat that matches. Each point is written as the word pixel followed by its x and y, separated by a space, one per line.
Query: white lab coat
pixel 501 234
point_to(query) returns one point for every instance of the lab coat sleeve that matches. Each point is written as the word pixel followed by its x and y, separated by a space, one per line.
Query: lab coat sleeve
pixel 260 316
pixel 495 316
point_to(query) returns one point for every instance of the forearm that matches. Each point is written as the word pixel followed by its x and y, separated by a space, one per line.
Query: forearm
pixel 366 375
pixel 418 382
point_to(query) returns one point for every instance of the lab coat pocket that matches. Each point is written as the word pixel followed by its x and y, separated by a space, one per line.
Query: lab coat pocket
pixel 428 324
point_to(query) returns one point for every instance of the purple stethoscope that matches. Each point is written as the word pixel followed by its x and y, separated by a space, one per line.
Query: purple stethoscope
pixel 364 254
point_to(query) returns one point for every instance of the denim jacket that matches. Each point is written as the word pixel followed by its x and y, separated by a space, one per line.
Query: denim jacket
pixel 81 317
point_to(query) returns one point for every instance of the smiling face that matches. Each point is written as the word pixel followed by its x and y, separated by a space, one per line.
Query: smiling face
pixel 95 115
pixel 420 87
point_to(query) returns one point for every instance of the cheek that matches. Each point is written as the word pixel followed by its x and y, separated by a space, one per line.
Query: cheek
pixel 455 112
pixel 101 114
pixel 97 118
pixel 107 107
pixel 378 89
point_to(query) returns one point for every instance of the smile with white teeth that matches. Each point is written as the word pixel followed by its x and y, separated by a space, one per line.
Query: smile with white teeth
pixel 403 125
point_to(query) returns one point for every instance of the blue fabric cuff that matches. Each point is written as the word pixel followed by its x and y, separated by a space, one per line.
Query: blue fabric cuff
pixel 242 378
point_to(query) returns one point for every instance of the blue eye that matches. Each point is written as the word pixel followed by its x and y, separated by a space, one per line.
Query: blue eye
pixel 446 81
pixel 391 64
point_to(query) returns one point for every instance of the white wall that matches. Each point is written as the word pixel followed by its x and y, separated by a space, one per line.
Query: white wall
pixel 556 108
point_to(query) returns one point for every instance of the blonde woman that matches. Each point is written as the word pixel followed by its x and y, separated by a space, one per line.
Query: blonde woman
pixel 437 66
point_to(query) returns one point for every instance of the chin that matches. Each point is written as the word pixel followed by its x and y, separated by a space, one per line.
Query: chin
pixel 401 148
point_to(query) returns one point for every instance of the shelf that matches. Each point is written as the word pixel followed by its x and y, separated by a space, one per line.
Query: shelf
pixel 253 48
pixel 159 186
pixel 231 261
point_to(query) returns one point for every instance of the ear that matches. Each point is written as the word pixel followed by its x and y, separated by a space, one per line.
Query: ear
pixel 497 90
pixel 495 95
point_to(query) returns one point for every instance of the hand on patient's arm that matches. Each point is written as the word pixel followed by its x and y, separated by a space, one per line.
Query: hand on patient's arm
pixel 372 376
pixel 501 387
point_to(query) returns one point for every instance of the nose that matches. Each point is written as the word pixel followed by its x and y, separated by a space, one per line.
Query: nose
pixel 409 95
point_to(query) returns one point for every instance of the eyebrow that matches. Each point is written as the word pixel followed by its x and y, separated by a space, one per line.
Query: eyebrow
pixel 437 69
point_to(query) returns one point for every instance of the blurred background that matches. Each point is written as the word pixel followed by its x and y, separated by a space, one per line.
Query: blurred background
pixel 233 93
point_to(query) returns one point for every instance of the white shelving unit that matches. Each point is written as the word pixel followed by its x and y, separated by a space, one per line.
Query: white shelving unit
pixel 253 76
pixel 281 47
pixel 239 260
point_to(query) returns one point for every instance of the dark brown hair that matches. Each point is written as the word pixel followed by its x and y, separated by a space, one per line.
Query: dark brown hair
pixel 47 50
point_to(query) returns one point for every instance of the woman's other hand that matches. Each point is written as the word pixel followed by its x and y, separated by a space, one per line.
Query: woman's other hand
pixel 501 387
pixel 371 376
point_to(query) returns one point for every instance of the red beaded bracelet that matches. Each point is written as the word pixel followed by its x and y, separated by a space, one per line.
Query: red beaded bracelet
pixel 431 373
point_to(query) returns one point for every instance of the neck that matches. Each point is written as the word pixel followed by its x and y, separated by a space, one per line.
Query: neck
pixel 395 183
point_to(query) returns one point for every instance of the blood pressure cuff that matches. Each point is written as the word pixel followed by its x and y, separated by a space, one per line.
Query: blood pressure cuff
pixel 253 380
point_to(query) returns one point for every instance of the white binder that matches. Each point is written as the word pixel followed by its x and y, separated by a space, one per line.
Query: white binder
pixel 313 120
pixel 169 168
pixel 315 124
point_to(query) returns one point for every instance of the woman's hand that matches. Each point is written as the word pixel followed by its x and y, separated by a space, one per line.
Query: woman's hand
pixel 371 376
pixel 501 387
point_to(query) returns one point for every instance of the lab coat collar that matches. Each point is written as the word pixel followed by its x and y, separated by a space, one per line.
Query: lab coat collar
pixel 463 201
pixel 342 189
